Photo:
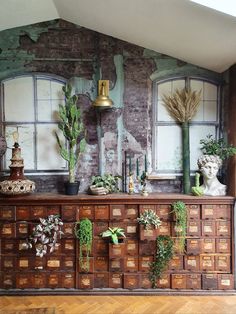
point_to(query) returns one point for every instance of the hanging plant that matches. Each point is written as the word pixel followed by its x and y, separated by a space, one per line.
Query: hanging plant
pixel 149 218
pixel 180 211
pixel 84 232
pixel 182 106
pixel 164 252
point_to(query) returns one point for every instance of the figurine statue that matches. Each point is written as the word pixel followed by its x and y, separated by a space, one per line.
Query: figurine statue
pixel 209 166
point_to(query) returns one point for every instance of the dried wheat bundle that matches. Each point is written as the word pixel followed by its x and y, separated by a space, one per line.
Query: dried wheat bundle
pixel 183 104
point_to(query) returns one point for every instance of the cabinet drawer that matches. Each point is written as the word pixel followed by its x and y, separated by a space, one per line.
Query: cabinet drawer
pixel 223 245
pixel 178 281
pixel 208 245
pixel 7 213
pixel 8 230
pixel 85 211
pixel 102 212
pixel 68 212
pixel 131 211
pixel 117 212
pixel 193 212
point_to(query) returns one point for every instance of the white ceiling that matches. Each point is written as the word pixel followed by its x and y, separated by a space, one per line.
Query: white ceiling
pixel 178 28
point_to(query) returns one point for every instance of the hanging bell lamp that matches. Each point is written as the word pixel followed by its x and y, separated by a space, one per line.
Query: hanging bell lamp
pixel 103 101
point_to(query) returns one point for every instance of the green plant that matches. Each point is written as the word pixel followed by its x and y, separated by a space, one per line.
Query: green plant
pixel 114 234
pixel 164 252
pixel 180 211
pixel 149 218
pixel 107 181
pixel 211 146
pixel 72 127
pixel 84 232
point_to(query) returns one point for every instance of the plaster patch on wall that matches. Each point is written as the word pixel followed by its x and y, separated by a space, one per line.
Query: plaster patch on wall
pixel 147 53
pixel 83 86
pixel 116 94
pixel 120 129
pixel 110 152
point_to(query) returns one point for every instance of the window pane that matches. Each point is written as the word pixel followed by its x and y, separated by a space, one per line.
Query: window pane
pixel 19 99
pixel 177 84
pixel 210 110
pixel 200 113
pixel 26 141
pixel 197 86
pixel 56 90
pixel 163 89
pixel 49 157
pixel 43 89
pixel 162 113
pixel 210 91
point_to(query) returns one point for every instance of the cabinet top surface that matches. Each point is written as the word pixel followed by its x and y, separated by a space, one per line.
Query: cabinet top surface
pixel 113 198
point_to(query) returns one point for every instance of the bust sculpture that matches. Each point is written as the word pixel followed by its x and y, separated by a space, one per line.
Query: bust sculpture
pixel 209 166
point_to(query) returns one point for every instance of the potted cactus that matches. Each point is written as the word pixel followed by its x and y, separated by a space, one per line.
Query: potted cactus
pixel 72 128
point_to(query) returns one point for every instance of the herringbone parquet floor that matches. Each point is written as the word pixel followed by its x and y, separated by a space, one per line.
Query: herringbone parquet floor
pixel 123 304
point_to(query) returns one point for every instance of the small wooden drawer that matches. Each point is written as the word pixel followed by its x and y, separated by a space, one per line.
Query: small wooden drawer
pixel 68 246
pixel 23 212
pixel 147 234
pixel 145 282
pixel 191 262
pixel 208 211
pixel 175 230
pixel 68 280
pixel 115 280
pixel 147 248
pixel 178 281
pixel 86 265
pixel 194 228
pixel 86 281
pixel 8 230
pixel 178 245
pixel 208 245
pixel 209 281
pixel 207 263
pixel 7 280
pixel 176 263
pixel 116 250
pixel 53 263
pixel 99 227
pixel 8 263
pixel 131 281
pixel 102 212
pixel 223 263
pixel 144 207
pixel 8 246
pixel 223 245
pixel 163 229
pixel 131 263
pixel 223 212
pixel 208 228
pixel 39 280
pixel 131 247
pixel 116 265
pixel 164 281
pixel 131 211
pixel 39 263
pixel 131 229
pixel 37 212
pixel 101 247
pixel 68 262
pixel 101 280
pixel 68 212
pixel 145 262
pixel 24 263
pixel 163 212
pixel 193 212
pixel 225 281
pixel 101 263
pixel 223 228
pixel 22 229
pixel 53 210
pixel 53 280
pixel 193 281
pixel 117 212
pixel 85 211
pixel 7 213
pixel 23 280
pixel 68 230
pixel 193 246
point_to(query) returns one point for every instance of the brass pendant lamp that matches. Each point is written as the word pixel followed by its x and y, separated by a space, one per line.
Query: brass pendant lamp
pixel 103 101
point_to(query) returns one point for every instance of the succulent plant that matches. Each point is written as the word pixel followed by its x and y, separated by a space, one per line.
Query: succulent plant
pixel 149 218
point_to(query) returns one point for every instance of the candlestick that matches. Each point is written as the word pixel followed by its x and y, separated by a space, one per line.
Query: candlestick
pixel 137 168
pixel 145 163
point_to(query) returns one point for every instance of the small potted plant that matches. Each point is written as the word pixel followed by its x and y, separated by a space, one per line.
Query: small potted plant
pixel 104 184
pixel 72 128
pixel 149 222
pixel 179 211
pixel 116 245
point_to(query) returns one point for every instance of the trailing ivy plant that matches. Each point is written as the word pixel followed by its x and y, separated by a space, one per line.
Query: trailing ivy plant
pixel 84 232
pixel 164 252
pixel 180 211
pixel 149 218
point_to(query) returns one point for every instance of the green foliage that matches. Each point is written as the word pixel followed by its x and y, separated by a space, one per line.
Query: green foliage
pixel 149 218
pixel 218 147
pixel 107 181
pixel 71 126
pixel 114 233
pixel 84 232
pixel 164 252
pixel 197 190
pixel 180 212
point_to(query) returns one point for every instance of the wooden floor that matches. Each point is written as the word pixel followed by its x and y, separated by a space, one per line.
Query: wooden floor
pixel 123 304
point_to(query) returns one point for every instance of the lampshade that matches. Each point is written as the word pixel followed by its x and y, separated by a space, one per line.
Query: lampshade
pixel 103 101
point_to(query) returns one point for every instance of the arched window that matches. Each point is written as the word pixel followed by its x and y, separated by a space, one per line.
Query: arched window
pixel 167 143
pixel 30 103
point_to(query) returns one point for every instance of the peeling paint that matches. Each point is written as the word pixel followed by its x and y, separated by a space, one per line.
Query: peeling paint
pixel 116 94
pixel 84 86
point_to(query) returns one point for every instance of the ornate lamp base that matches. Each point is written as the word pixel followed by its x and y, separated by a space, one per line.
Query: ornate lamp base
pixel 17 187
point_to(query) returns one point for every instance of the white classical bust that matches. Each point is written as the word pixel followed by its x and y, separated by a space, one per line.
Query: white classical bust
pixel 209 166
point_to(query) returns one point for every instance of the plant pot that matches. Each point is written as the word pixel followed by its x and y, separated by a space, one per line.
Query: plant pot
pixel 72 188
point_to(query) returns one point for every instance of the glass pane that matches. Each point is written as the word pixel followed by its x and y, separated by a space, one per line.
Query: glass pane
pixel 177 84
pixel 210 110
pixel 197 86
pixel 163 89
pixel 210 91
pixel 162 113
pixel 43 89
pixel 198 132
pixel 199 114
pixel 56 90
pixel 26 141
pixel 19 99
pixel 169 148
pixel 49 157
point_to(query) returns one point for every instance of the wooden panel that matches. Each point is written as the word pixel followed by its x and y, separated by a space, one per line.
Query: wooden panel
pixel 223 245
pixel 193 281
pixel 68 212
pixel 193 212
pixel 68 280
pixel 178 281
pixel 191 263
pixel 223 211
pixel 145 282
pixel 163 212
pixel 209 281
pixel 147 247
pixel 37 212
pixel 208 245
pixel 23 212
pixel 131 281
pixel 147 234
pixel 164 281
pixel 101 263
pixel 131 247
pixel 222 263
pixel 194 228
pixel 176 263
pixel 86 281
pixel 223 228
pixel 208 211
pixel 131 264
pixel 102 212
pixel 131 211
pixel 164 229
pixel 115 280
pixel 8 230
pixel 101 280
pixel 116 250
pixel 117 212
pixel 7 213
pixel 225 282
pixel 99 227
pixel 193 246
pixel 39 280
pixel 85 211
pixel 208 228
pixel 22 229
pixel 116 265
pixel 131 229
pixel 144 263
pixel 207 263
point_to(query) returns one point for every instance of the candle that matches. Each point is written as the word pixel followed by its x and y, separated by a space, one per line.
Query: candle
pixel 137 167
pixel 197 177
pixel 130 165
pixel 145 163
